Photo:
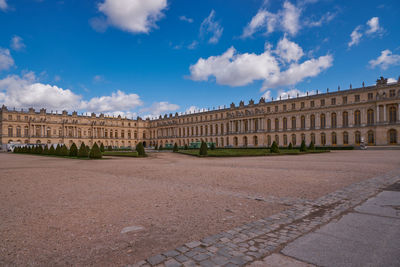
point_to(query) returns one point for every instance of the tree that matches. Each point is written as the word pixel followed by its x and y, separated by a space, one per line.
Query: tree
pixel 58 150
pixel 102 147
pixel 73 150
pixel 186 147
pixel 290 146
pixel 203 149
pixel 45 150
pixel 16 150
pixel 39 150
pixel 303 147
pixel 95 152
pixel 140 149
pixel 82 152
pixel 212 147
pixel 64 151
pixel 160 147
pixel 274 148
pixel 175 149
pixel 109 148
pixel 311 146
pixel 156 147
pixel 52 151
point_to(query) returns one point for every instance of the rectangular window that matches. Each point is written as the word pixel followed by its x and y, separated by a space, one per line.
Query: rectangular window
pixel 302 104
pixel 268 109
pixel 276 108
pixel 9 117
pixel 357 98
pixel 370 96
pixel 293 106
pixel 392 93
pixel 284 107
pixel 345 100
pixel 322 102
pixel 333 101
pixel 26 118
pixel 312 104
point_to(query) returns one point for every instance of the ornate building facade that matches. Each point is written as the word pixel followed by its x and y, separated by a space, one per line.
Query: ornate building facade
pixel 349 117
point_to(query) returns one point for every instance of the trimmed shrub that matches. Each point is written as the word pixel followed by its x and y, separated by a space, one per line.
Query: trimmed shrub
pixel 311 146
pixel 102 147
pixel 303 147
pixel 212 147
pixel 58 150
pixel 140 149
pixel 64 151
pixel 45 150
pixel 175 149
pixel 16 150
pixel 109 148
pixel 82 152
pixel 203 149
pixel 52 151
pixel 39 150
pixel 186 147
pixel 87 149
pixel 156 147
pixel 274 148
pixel 95 152
pixel 73 150
pixel 160 147
pixel 290 146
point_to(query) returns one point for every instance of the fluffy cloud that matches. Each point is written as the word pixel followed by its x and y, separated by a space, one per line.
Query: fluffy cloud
pixel 372 27
pixel 135 16
pixel 184 18
pixel 158 108
pixel 286 20
pixel 385 60
pixel 3 5
pixel 212 28
pixel 116 102
pixel 235 69
pixel 16 43
pixel 392 80
pixel 6 61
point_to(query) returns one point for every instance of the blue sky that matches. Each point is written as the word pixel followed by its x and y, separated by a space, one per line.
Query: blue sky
pixel 150 57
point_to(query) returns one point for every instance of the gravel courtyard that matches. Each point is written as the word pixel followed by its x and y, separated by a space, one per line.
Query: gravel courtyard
pixel 60 212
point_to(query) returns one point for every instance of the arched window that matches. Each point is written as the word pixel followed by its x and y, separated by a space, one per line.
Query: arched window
pixel 323 139
pixel 345 119
pixel 26 131
pixel 255 141
pixel 357 137
pixel 277 139
pixel 303 137
pixel 333 120
pixel 285 140
pixel 303 122
pixel 256 125
pixel 294 139
pixel 392 114
pixel 10 131
pixel 269 125
pixel 246 126
pixel 312 138
pixel 334 139
pixel 370 117
pixel 227 141
pixel 269 140
pixel 276 125
pixel 357 118
pixel 312 121
pixel 293 123
pixel 392 136
pixel 371 138
pixel 235 141
pixel 284 124
pixel 323 121
pixel 245 141
pixel 18 131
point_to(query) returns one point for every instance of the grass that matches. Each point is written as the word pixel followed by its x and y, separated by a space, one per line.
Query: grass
pixel 244 152
pixel 121 153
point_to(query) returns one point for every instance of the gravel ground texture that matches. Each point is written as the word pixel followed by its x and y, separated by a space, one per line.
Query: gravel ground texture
pixel 111 212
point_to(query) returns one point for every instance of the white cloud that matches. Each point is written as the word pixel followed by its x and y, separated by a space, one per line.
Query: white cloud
pixel 193 45
pixel 234 69
pixel 17 43
pixel 159 108
pixel 184 18
pixel 289 51
pixel 372 27
pixel 286 20
pixel 385 60
pixel 6 61
pixel 373 24
pixel 267 95
pixel 329 16
pixel 116 102
pixel 98 78
pixel 3 5
pixel 136 16
pixel 392 80
pixel 211 27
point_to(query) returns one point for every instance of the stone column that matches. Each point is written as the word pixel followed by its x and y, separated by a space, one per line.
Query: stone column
pixel 377 114
pixel 384 113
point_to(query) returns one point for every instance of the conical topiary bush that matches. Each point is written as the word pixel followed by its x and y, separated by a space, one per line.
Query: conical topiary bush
pixel 203 149
pixel 274 148
pixel 95 152
pixel 140 149
pixel 82 152
pixel 73 150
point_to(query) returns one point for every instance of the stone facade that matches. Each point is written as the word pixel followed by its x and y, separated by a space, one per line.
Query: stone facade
pixel 348 117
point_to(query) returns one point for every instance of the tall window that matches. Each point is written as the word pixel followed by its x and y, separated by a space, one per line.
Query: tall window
pixel 357 137
pixel 323 121
pixel 357 117
pixel 235 141
pixel 48 132
pixel 294 139
pixel 277 139
pixel 371 139
pixel 313 138
pixel 392 114
pixel 334 139
pixel 312 121
pixel 303 137
pixel 269 140
pixel 392 136
pixel 284 124
pixel 18 131
pixel 269 125
pixel 345 119
pixel 345 138
pixel 293 123
pixel 370 117
pixel 255 141
pixel 303 122
pixel 10 131
pixel 276 125
pixel 285 140
pixel 333 120
pixel 323 139
pixel 26 131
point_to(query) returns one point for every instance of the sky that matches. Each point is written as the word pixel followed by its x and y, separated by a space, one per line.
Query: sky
pixel 150 57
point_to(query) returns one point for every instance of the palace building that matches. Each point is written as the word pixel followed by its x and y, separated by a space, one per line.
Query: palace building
pixel 369 114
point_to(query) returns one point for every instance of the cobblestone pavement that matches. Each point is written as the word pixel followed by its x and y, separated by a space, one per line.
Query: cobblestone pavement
pixel 254 241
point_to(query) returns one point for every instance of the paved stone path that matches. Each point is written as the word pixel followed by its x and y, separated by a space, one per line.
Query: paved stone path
pixel 255 241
